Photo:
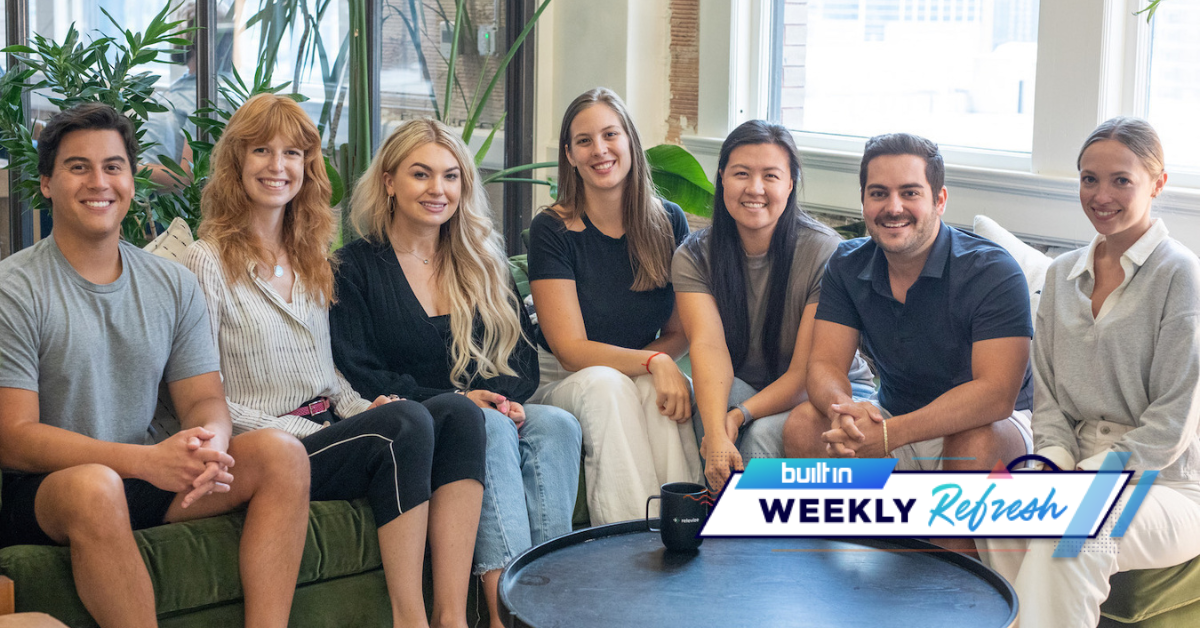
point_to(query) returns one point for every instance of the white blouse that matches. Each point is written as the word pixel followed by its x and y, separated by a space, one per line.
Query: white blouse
pixel 275 356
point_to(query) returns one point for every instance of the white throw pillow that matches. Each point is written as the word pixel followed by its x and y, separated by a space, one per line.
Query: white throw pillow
pixel 1032 261
pixel 171 243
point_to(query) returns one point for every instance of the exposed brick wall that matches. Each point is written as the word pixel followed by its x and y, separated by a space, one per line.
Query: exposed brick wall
pixel 684 75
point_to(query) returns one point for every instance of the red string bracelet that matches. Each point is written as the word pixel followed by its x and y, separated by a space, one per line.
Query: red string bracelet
pixel 656 354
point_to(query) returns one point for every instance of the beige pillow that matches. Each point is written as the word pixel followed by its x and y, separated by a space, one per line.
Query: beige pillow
pixel 171 243
pixel 1032 261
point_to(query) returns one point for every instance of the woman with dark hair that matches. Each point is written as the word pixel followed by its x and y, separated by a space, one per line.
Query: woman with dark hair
pixel 264 266
pixel 1116 368
pixel 747 289
pixel 600 272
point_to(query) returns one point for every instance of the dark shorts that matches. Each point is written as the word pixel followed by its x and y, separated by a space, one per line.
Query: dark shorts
pixel 147 505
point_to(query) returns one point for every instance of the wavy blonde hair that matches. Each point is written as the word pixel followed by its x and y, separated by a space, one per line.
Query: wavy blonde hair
pixel 309 224
pixel 647 225
pixel 470 258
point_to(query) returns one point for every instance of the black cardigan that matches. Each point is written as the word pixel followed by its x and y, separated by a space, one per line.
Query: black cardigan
pixel 384 343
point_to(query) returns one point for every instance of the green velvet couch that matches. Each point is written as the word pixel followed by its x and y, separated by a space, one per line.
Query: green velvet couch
pixel 1154 598
pixel 194 567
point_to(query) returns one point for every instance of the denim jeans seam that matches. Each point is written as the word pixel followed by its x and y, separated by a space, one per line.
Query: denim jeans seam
pixel 506 550
pixel 540 502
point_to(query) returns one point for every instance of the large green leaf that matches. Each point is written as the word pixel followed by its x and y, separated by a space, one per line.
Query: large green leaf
pixel 335 180
pixel 681 179
pixel 518 265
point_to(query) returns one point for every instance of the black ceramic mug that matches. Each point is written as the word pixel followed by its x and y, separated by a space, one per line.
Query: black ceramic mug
pixel 682 511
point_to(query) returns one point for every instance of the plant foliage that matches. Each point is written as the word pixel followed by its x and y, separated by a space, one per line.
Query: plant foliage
pixel 102 69
pixel 1150 10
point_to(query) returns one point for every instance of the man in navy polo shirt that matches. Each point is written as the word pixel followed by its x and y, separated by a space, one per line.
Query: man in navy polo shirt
pixel 944 313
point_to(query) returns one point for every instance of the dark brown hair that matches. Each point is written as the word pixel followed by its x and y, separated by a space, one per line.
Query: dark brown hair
pixel 904 144
pixel 85 117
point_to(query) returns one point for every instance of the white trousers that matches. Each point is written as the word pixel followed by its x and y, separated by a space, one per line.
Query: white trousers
pixel 1067 592
pixel 629 449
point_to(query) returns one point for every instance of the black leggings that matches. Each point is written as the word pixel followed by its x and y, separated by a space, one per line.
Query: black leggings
pixel 396 455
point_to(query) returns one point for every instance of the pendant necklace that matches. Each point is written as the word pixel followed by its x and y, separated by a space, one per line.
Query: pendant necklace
pixel 424 260
pixel 278 270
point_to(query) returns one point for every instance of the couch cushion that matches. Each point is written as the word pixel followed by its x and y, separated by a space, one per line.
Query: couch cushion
pixel 1033 262
pixel 195 564
pixel 1138 595
pixel 172 243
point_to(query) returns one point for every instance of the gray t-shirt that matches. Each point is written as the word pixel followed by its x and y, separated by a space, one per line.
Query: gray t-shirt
pixel 813 249
pixel 95 354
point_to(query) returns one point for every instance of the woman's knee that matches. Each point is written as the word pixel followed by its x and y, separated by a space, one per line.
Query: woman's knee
pixel 552 423
pixel 453 406
pixel 406 422
pixel 603 380
pixel 499 427
pixel 270 453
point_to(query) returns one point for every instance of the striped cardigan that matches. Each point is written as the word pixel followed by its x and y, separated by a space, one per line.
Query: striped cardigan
pixel 274 355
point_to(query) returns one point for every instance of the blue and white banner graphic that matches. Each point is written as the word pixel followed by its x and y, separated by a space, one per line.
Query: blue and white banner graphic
pixel 860 497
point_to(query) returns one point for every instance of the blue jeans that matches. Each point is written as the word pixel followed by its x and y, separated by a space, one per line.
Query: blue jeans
pixel 532 475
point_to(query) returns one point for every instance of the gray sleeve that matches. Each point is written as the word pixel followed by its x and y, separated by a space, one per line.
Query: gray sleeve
pixel 1169 425
pixel 816 251
pixel 192 350
pixel 1052 428
pixel 687 274
pixel 18 337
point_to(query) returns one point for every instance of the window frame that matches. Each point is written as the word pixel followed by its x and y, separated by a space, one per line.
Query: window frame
pixel 1098 71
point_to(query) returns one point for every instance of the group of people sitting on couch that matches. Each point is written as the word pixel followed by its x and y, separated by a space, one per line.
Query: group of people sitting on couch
pixel 404 368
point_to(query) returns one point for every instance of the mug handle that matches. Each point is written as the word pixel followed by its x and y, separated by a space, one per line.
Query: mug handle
pixel 648 500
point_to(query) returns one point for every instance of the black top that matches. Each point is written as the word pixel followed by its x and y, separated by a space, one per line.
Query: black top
pixel 599 265
pixel 970 290
pixel 384 343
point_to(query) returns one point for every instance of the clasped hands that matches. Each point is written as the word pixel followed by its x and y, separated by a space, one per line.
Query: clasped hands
pixel 856 431
pixel 489 400
pixel 193 460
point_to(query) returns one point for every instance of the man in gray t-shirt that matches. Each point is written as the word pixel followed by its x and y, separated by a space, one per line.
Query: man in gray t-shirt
pixel 89 327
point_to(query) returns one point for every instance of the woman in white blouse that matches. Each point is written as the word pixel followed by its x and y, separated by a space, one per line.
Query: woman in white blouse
pixel 263 263
pixel 1116 370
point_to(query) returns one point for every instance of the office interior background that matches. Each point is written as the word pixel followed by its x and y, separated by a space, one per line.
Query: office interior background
pixel 1008 88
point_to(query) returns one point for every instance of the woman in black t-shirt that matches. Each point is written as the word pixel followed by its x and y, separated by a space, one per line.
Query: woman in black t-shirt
pixel 600 270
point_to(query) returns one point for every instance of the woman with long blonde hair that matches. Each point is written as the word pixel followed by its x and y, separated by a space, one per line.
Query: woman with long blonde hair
pixel 427 305
pixel 600 272
pixel 263 263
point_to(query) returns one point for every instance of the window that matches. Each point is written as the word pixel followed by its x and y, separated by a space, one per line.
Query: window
pixel 961 71
pixel 416 52
pixel 1174 89
pixel 307 41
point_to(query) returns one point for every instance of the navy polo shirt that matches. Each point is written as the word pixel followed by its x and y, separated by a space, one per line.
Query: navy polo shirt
pixel 970 289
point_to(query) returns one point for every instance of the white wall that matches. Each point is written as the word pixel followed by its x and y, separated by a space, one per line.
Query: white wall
pixel 618 44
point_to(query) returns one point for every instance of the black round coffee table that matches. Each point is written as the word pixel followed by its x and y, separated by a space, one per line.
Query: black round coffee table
pixel 619 575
